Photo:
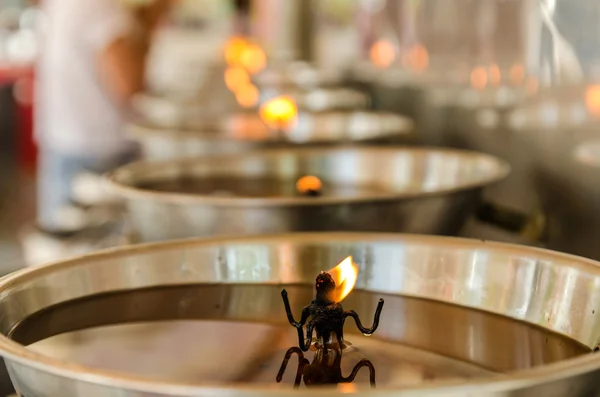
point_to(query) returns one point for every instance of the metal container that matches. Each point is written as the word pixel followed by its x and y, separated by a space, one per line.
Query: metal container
pixel 560 130
pixel 526 316
pixel 244 131
pixel 364 189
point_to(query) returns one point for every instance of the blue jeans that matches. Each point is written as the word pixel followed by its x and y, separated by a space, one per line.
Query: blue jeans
pixel 56 173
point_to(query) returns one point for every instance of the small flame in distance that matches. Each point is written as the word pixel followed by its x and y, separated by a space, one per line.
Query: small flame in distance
pixel 280 112
pixel 345 275
pixel 382 54
pixel 309 184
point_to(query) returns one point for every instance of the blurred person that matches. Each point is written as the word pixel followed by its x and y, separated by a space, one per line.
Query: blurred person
pixel 92 63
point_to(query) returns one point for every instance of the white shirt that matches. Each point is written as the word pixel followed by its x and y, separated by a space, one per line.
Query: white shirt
pixel 76 113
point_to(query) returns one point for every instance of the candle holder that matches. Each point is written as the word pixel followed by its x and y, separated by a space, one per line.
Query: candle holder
pixel 325 316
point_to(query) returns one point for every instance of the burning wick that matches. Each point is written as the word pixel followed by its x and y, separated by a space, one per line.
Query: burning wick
pixel 309 185
pixel 325 314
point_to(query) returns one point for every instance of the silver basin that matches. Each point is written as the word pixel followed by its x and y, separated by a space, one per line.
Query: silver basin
pixel 244 131
pixel 525 316
pixel 364 189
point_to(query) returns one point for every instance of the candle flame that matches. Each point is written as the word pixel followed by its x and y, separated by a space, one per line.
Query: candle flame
pixel 247 96
pixel 517 74
pixel 592 99
pixel 479 78
pixel 253 58
pixel 345 275
pixel 418 58
pixel 495 75
pixel 236 77
pixel 308 183
pixel 280 112
pixel 234 48
pixel 240 52
pixel 382 53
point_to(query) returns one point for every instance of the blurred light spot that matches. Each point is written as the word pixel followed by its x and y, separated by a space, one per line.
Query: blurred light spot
pixel 517 74
pixel 247 96
pixel 479 78
pixel 382 53
pixel 236 77
pixel 253 58
pixel 592 99
pixel 495 76
pixel 418 58
pixel 532 85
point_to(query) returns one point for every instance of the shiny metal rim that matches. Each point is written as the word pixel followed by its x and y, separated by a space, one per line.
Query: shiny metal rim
pixel 114 179
pixel 20 354
pixel 214 131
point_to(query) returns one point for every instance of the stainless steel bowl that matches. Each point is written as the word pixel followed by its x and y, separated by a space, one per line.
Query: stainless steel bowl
pixel 364 189
pixel 244 131
pixel 526 316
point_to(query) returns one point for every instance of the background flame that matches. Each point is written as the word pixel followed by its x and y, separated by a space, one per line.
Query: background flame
pixel 307 183
pixel 345 275
pixel 279 112
pixel 382 53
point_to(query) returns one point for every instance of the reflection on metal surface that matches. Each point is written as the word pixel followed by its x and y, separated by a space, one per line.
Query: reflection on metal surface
pixel 488 305
pixel 325 369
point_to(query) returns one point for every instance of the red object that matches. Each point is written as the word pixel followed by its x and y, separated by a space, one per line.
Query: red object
pixel 22 78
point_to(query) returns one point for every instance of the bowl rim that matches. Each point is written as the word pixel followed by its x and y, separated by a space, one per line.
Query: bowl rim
pixel 214 128
pixel 115 178
pixel 17 353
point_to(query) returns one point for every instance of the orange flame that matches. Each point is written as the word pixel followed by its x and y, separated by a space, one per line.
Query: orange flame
pixel 382 53
pixel 253 58
pixel 247 96
pixel 479 78
pixel 234 49
pixel 309 183
pixel 280 112
pixel 418 58
pixel 495 76
pixel 345 275
pixel 236 77
pixel 592 99
pixel 240 52
pixel 517 74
